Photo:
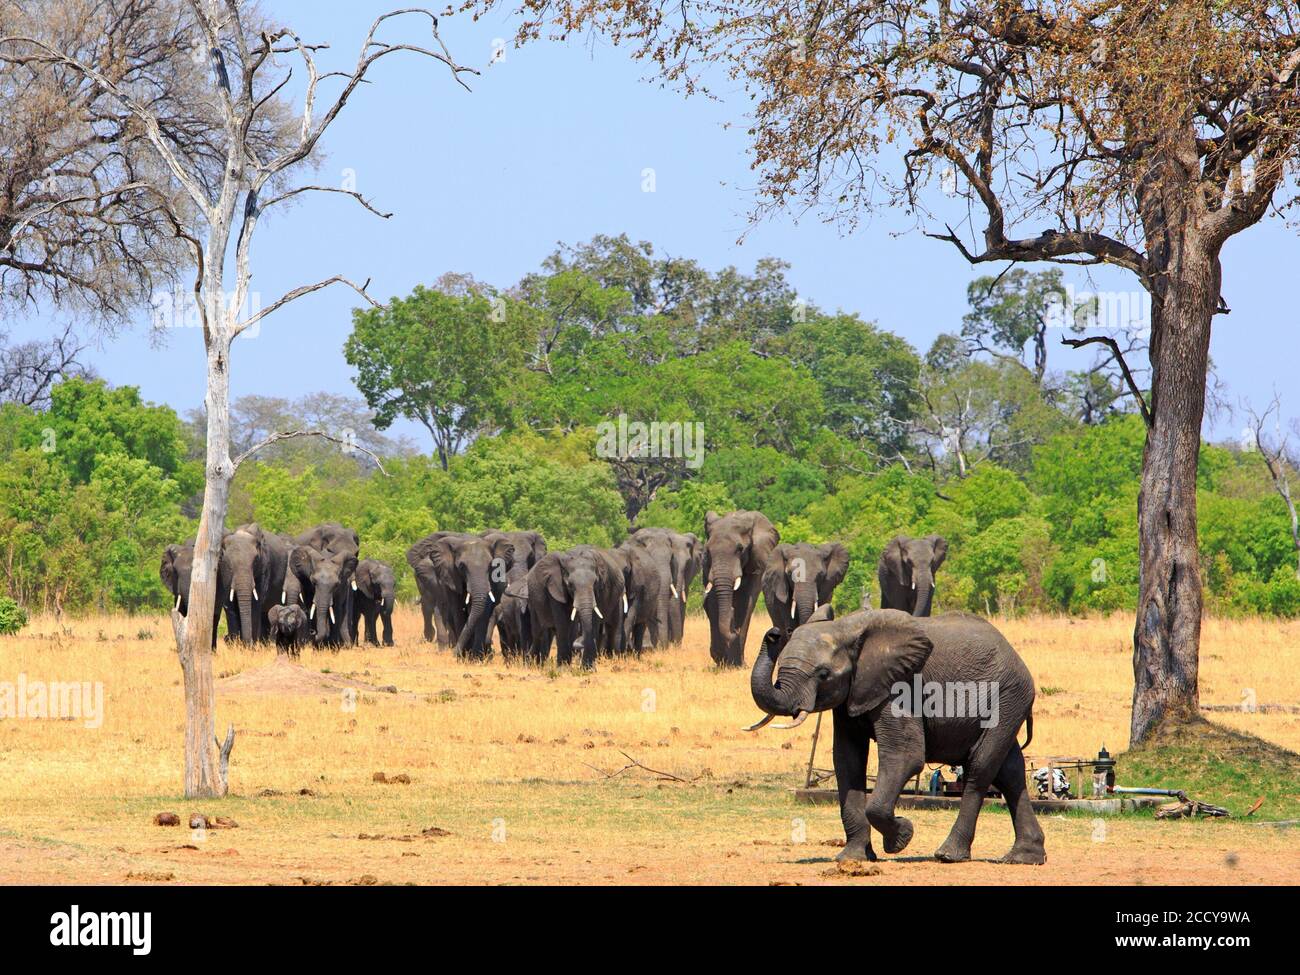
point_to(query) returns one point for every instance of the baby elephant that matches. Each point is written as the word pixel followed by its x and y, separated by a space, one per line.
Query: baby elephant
pixel 374 589
pixel 289 629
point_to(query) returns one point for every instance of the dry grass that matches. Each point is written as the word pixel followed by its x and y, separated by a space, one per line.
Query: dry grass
pixel 496 751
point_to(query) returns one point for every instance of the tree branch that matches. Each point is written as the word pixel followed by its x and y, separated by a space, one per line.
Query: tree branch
pixel 1109 342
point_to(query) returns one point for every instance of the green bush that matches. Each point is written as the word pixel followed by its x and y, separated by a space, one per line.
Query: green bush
pixel 12 616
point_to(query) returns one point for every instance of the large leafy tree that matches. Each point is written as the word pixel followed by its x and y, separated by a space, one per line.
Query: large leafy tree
pixel 443 360
pixel 1142 136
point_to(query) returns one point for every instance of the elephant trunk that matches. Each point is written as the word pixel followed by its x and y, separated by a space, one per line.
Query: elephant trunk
pixel 805 596
pixel 322 603
pixel 664 606
pixel 478 603
pixel 923 580
pixel 723 615
pixel 244 587
pixel 787 696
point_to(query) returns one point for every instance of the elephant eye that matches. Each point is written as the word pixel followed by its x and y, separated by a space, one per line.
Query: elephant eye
pixel 822 672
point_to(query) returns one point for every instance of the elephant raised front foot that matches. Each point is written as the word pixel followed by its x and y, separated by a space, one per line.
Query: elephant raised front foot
pixel 902 835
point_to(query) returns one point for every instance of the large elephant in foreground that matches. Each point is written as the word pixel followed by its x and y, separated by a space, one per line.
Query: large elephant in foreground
pixel 676 557
pixel 736 550
pixel 319 576
pixel 460 578
pixel 374 593
pixel 906 572
pixel 801 577
pixel 948 689
pixel 577 598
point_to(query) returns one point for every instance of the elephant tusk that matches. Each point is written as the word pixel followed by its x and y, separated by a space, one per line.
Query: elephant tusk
pixel 913 585
pixel 467 595
pixel 311 615
pixel 256 597
pixel 491 597
pixel 815 605
pixel 674 589
pixel 799 719
pixel 354 585
pixel 598 612
pixel 573 615
pixel 301 600
pixel 736 584
pixel 624 602
pixel 758 724
pixel 331 614
pixel 794 609
pixel 178 603
pixel 708 588
pixel 232 594
pixel 683 597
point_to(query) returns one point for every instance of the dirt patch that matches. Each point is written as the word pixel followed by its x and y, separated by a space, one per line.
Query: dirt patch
pixel 282 676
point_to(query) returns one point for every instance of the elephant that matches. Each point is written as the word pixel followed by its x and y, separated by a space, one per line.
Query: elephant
pixel 910 683
pixel 176 572
pixel 529 546
pixel 583 585
pixel 801 577
pixel 460 576
pixel 374 590
pixel 736 551
pixel 250 578
pixel 677 558
pixel 287 625
pixel 641 602
pixel 319 575
pixel 906 572
pixel 514 625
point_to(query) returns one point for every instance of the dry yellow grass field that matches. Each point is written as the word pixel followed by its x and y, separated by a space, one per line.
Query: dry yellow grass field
pixel 512 770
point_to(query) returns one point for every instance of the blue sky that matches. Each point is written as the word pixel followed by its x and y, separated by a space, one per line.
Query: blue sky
pixel 551 146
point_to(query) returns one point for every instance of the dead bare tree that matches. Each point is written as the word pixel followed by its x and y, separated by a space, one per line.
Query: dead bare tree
pixel 225 192
pixel 1281 459
pixel 82 223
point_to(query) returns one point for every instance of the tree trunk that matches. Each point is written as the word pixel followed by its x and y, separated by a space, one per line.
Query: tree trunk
pixel 1167 634
pixel 204 777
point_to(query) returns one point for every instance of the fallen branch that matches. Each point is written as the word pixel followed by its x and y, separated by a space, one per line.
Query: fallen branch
pixel 635 763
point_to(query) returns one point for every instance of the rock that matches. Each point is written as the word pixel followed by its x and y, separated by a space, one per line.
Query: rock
pixel 167 819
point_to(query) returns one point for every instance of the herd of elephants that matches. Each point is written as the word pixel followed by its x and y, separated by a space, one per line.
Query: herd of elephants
pixel 590 601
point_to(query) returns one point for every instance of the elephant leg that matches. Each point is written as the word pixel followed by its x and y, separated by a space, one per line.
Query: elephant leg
pixel 563 639
pixel 851 744
pixel 387 617
pixel 1010 781
pixel 902 756
pixel 956 848
pixel 372 633
pixel 426 610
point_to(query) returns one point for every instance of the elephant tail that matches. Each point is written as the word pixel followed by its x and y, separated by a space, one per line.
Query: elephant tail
pixel 1029 731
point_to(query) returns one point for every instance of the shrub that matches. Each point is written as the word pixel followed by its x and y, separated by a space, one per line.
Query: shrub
pixel 12 616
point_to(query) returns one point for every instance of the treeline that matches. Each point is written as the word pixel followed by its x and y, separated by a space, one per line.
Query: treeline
pixel 830 425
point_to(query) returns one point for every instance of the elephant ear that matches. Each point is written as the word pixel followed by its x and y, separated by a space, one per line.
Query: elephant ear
pixel 892 647
pixel 710 519
pixel 555 581
pixel 776 581
pixel 891 559
pixel 823 614
pixel 539 548
pixel 347 565
pixel 363 578
pixel 837 564
pixel 940 546
pixel 764 539
pixel 167 570
pixel 502 549
pixel 301 560
pixel 442 555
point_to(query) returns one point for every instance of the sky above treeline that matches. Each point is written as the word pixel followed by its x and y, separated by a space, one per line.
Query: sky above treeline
pixel 553 145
